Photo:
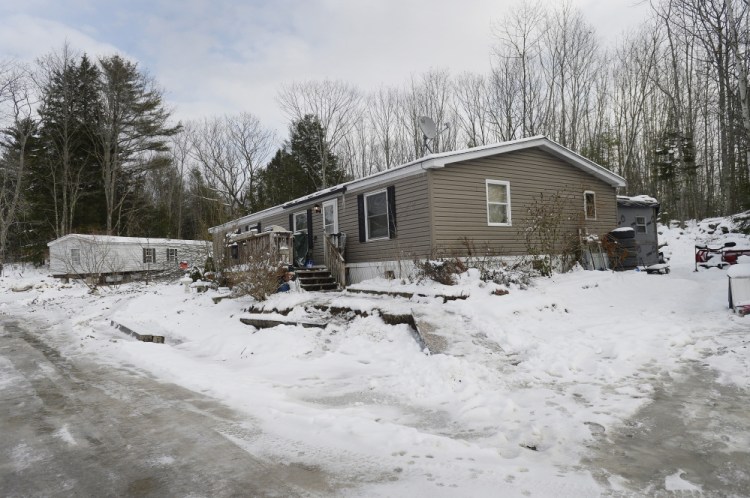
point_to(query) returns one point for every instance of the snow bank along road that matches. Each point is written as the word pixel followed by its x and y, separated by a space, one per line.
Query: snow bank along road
pixel 70 427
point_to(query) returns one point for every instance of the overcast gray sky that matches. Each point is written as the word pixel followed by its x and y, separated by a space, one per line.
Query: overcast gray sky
pixel 221 56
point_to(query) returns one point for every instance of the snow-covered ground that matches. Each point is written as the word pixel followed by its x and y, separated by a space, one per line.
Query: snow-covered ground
pixel 526 381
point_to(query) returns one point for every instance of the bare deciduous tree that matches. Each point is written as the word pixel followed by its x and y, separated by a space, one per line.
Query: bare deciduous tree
pixel 473 109
pixel 520 36
pixel 383 112
pixel 431 95
pixel 17 106
pixel 229 152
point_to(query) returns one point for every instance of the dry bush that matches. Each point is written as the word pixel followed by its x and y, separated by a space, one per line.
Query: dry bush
pixel 545 235
pixel 493 268
pixel 444 268
pixel 443 271
pixel 256 276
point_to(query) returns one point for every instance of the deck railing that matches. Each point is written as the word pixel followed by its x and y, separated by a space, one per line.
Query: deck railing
pixel 334 260
pixel 276 244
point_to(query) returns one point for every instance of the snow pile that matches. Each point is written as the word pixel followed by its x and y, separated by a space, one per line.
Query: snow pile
pixel 523 383
pixel 645 199
pixel 727 229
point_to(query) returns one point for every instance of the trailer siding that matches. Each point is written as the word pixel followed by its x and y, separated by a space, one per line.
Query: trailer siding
pixel 459 200
pixel 413 231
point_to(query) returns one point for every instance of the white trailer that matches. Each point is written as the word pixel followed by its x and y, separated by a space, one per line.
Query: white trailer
pixel 112 258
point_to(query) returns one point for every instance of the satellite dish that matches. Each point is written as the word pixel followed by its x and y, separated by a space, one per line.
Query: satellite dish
pixel 427 125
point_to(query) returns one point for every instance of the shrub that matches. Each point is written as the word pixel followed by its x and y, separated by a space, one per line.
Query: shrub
pixel 256 276
pixel 544 233
pixel 443 270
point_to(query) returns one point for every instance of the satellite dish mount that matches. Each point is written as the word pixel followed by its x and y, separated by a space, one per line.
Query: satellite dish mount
pixel 429 130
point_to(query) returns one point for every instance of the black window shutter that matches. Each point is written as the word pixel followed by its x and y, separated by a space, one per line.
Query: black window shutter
pixel 391 212
pixel 361 217
pixel 309 228
pixel 258 227
pixel 291 222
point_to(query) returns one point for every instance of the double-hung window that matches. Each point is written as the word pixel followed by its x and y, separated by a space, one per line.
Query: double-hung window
pixel 376 215
pixel 171 255
pixel 589 205
pixel 149 255
pixel 498 203
pixel 75 256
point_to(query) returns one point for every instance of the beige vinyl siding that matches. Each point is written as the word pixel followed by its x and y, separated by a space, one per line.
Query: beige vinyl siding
pixel 412 223
pixel 459 202
pixel 437 209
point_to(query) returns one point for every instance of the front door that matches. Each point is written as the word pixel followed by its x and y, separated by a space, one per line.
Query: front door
pixel 330 217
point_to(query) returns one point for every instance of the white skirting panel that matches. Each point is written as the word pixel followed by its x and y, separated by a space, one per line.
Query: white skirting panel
pixel 357 272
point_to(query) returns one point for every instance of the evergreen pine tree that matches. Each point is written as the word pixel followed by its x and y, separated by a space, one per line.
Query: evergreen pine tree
pixel 296 169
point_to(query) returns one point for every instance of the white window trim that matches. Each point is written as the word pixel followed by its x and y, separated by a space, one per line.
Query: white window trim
pixel 170 251
pixel 387 217
pixel 335 205
pixel 75 256
pixel 294 220
pixel 644 224
pixel 487 184
pixel 585 205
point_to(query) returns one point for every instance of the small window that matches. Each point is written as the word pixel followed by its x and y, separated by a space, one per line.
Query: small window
pixel 171 255
pixel 300 221
pixel 75 256
pixel 149 255
pixel 640 224
pixel 498 203
pixel 589 205
pixel 376 215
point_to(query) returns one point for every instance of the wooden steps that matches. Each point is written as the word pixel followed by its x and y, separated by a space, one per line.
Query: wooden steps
pixel 316 279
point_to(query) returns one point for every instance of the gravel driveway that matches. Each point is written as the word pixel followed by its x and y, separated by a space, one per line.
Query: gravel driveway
pixel 693 439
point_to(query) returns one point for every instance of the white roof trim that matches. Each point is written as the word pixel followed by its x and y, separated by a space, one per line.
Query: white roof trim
pixel 543 143
pixel 116 239
pixel 434 161
pixel 251 219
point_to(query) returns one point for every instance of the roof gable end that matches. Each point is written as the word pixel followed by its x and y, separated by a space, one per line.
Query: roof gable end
pixel 540 142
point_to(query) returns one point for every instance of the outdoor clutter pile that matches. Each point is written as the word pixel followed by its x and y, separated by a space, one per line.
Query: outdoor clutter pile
pixel 617 250
pixel 718 256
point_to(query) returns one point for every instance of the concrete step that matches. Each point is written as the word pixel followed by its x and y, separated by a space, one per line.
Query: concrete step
pixel 320 287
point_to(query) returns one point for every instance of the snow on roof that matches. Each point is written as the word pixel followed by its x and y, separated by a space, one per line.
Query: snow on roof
pixel 114 239
pixel 440 160
pixel 637 201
